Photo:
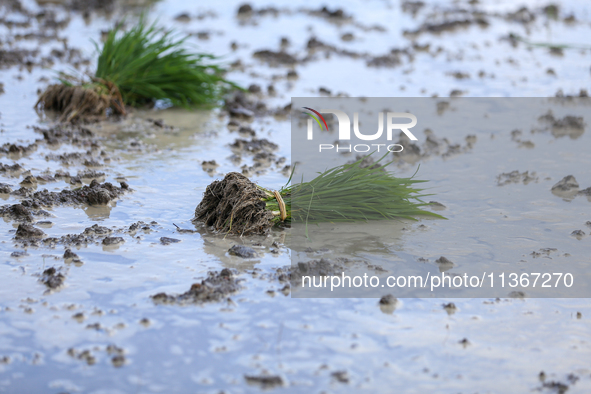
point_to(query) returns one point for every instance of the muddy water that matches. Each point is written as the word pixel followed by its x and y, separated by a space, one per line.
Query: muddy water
pixel 101 331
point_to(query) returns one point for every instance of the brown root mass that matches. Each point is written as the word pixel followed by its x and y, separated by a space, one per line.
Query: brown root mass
pixel 81 102
pixel 233 205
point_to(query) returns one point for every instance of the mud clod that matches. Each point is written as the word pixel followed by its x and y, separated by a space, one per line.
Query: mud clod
pixel 366 161
pixel 28 231
pixel 578 234
pixel 141 226
pixel 557 387
pixel 233 125
pixel 545 252
pixel 566 188
pixel 95 229
pixel 208 165
pixel 516 177
pixel 113 241
pixel 241 112
pixel 246 131
pixel 215 287
pixel 183 17
pixel 84 355
pixel 388 304
pixel 254 88
pixel 340 376
pixel 571 126
pixel 244 9
pixel 444 264
pixel 437 206
pixel 79 317
pixel 450 308
pixel 322 267
pixel 240 106
pixel 99 196
pixel 11 169
pixel 243 251
pixel 254 146
pixel 17 150
pixel 586 192
pixel 118 361
pixel 52 278
pixel 168 241
pixel 568 183
pixel 448 26
pixel 93 194
pixel 517 294
pixel 17 212
pixel 388 299
pixel 5 188
pixel 234 205
pixel 68 254
pixel 15 57
pixel 29 181
pixel 275 58
pixel 265 382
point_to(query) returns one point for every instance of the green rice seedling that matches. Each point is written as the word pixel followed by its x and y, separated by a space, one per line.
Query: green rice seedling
pixel 347 193
pixel 137 67
pixel 147 63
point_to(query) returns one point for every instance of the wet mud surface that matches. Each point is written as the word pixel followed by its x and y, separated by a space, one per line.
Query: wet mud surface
pixel 105 274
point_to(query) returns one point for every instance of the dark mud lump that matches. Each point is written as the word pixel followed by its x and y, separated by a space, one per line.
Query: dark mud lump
pixel 28 231
pixel 216 287
pixel 52 278
pixel 243 251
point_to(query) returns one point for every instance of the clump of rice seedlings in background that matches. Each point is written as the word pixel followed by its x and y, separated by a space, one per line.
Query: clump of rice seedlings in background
pixel 347 193
pixel 134 68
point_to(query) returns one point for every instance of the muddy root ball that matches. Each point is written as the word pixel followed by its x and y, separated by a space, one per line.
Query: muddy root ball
pixel 233 205
pixel 78 102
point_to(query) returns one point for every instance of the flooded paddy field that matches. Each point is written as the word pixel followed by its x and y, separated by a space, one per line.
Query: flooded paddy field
pixel 109 287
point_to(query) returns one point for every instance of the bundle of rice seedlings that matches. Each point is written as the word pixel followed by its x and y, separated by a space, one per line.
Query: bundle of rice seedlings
pixel 347 193
pixel 134 68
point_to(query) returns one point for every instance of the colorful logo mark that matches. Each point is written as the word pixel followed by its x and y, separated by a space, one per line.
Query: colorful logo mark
pixel 315 118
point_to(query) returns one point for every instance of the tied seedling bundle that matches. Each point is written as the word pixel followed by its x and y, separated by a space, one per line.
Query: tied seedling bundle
pixel 347 193
pixel 134 68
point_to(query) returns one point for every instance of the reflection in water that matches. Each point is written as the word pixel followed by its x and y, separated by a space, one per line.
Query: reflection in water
pixel 265 247
pixel 99 212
